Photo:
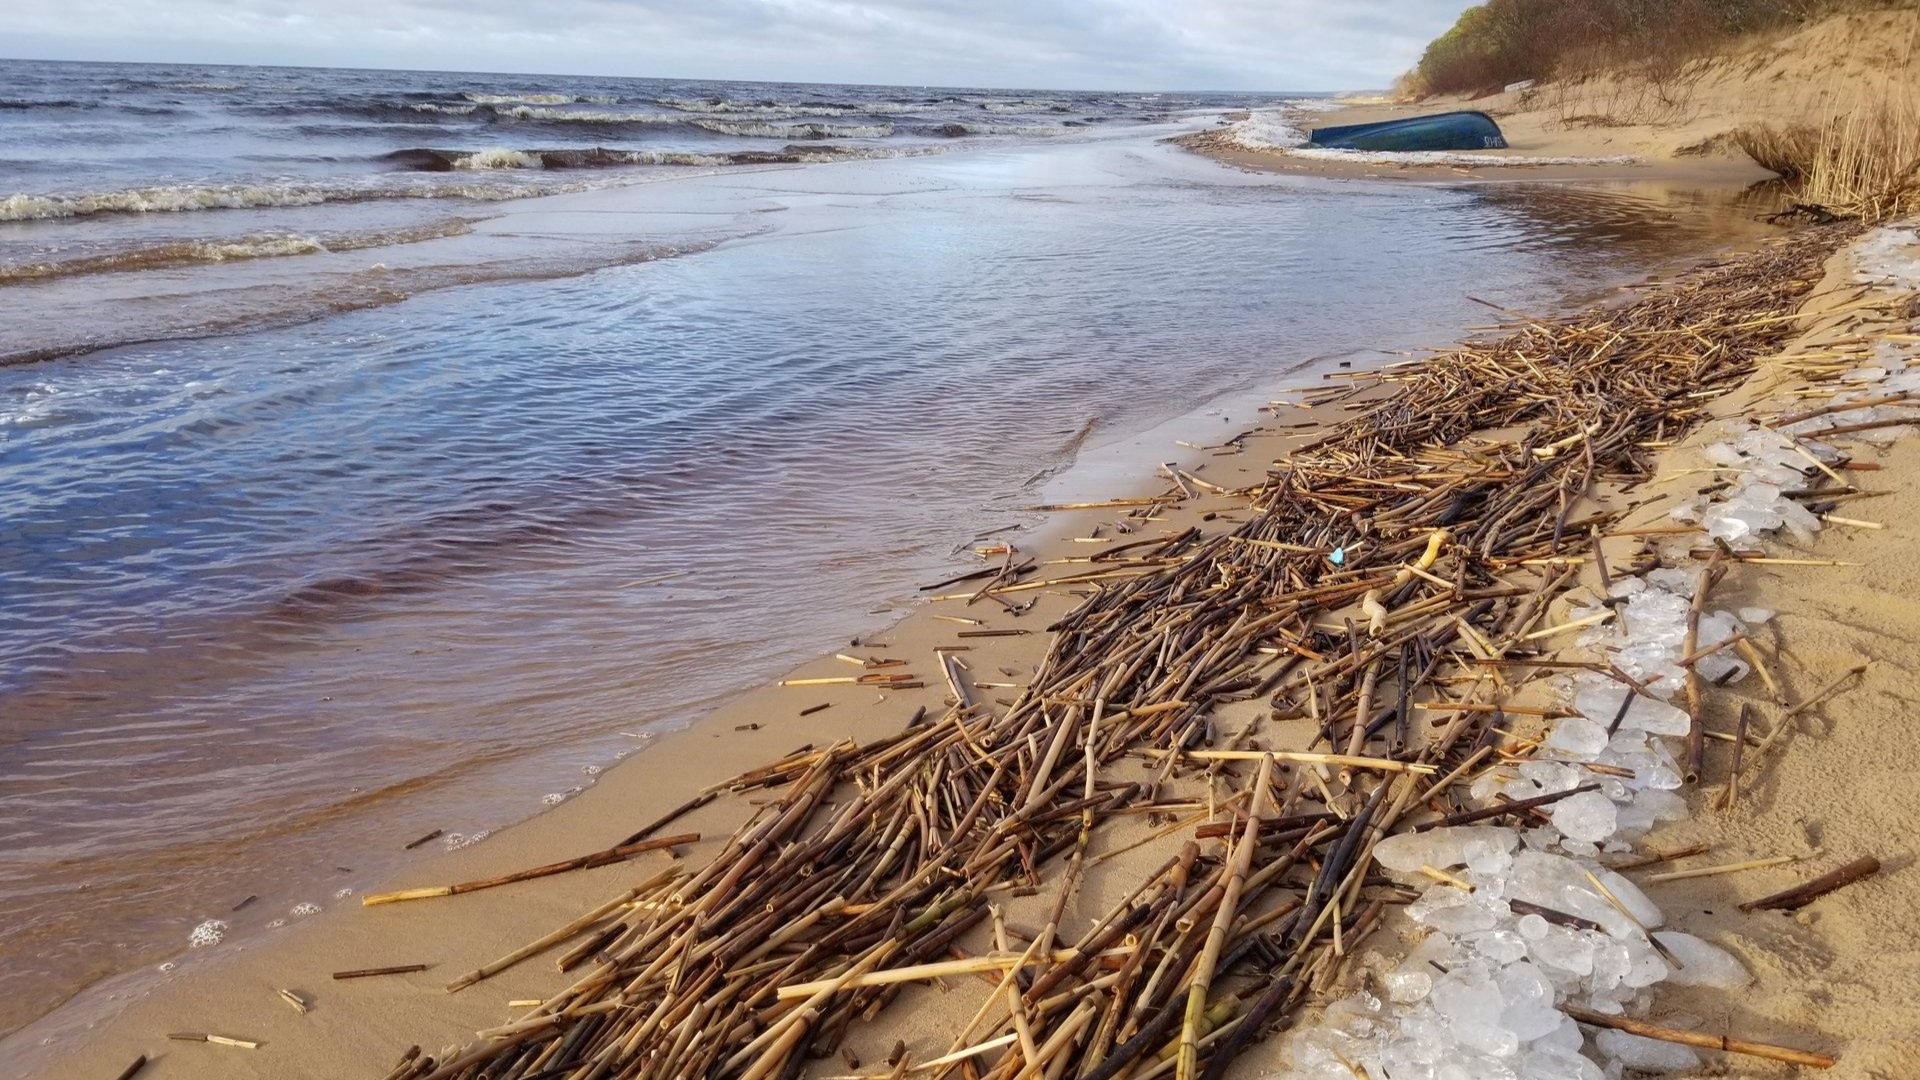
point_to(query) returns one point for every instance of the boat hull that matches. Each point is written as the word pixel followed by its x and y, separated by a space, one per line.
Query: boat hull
pixel 1465 130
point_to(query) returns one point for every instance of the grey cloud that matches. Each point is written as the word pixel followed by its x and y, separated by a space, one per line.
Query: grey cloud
pixel 1106 44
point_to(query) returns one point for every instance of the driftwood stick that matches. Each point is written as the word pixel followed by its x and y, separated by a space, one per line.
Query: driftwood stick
pixel 1801 895
pixel 1517 806
pixel 1695 1038
pixel 583 862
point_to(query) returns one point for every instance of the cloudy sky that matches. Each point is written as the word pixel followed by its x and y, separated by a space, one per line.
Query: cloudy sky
pixel 1055 44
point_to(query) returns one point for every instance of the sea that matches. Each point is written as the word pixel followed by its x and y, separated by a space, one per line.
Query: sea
pixel 386 452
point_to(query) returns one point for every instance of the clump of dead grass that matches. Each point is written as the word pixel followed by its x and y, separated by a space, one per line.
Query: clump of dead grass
pixel 1863 162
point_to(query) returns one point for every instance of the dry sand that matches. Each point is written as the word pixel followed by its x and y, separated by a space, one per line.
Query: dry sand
pixel 1680 126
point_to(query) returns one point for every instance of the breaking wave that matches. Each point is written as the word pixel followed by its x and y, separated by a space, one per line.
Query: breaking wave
pixel 498 159
pixel 785 109
pixel 170 200
pixel 445 110
pixel 540 99
pixel 421 159
pixel 538 112
pixel 759 130
pixel 228 249
pixel 1024 105
pixel 1266 129
pixel 957 131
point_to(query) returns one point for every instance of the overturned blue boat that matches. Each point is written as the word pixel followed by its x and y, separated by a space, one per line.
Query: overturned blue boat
pixel 1442 131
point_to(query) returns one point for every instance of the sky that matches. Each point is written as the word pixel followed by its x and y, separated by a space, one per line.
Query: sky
pixel 1051 44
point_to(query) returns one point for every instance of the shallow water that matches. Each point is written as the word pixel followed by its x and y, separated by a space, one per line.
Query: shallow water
pixel 277 603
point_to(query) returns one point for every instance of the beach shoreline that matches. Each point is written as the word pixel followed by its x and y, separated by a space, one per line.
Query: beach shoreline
pixel 343 992
pixel 357 1027
pixel 628 643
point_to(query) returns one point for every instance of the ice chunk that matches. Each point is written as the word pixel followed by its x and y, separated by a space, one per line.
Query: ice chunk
pixel 1578 737
pixel 1564 949
pixel 1440 848
pixel 1588 816
pixel 1600 703
pixel 1672 579
pixel 1451 911
pixel 1644 965
pixel 1702 963
pixel 1408 983
pixel 1643 1054
pixel 1490 857
pixel 1544 778
pixel 1558 882
pixel 1472 1004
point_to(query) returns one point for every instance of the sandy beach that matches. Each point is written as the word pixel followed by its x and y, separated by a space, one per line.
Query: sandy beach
pixel 1538 705
pixel 1827 794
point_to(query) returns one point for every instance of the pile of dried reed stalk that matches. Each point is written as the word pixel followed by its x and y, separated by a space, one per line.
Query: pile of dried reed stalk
pixel 870 864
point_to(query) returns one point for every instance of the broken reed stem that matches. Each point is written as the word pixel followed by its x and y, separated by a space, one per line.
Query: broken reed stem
pixel 583 862
pixel 1694 1038
pixel 1801 895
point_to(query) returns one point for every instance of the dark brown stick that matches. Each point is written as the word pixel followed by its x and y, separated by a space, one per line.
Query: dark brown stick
pixel 1801 895
pixel 1467 817
pixel 364 973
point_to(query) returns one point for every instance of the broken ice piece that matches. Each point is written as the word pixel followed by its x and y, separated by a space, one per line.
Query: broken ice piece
pixel 1589 816
pixel 1641 1054
pixel 1600 704
pixel 1702 963
pixel 1406 853
pixel 1576 736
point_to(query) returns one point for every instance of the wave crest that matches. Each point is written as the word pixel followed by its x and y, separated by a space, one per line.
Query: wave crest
pixel 538 112
pixel 760 130
pixel 540 99
pixel 184 198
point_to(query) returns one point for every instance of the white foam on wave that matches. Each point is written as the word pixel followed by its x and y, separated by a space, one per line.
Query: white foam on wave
pixel 155 200
pixel 1022 105
pixel 760 130
pixel 446 110
pixel 263 247
pixel 1044 130
pixel 1266 129
pixel 184 198
pixel 583 116
pixel 781 110
pixel 540 99
pixel 497 159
